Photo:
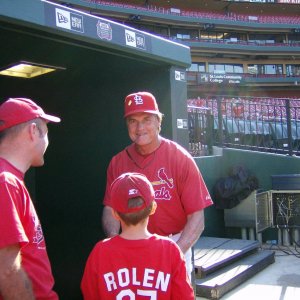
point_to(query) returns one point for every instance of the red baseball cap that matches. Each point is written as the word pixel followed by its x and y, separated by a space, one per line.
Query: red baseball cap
pixel 128 186
pixel 15 111
pixel 140 102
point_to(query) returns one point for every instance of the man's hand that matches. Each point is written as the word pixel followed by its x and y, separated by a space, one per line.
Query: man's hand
pixel 192 230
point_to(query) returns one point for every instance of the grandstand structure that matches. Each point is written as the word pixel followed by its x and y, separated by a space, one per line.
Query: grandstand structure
pixel 245 55
pixel 256 45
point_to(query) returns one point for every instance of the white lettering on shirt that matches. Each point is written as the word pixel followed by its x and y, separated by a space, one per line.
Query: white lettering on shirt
pixel 126 277
pixel 110 281
pixel 148 278
pixel 162 281
pixel 134 279
pixel 123 277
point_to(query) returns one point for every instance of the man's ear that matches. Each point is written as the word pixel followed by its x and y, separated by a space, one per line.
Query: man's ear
pixel 154 206
pixel 32 129
pixel 115 214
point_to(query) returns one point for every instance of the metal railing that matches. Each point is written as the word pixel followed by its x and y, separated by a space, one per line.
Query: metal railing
pixel 260 124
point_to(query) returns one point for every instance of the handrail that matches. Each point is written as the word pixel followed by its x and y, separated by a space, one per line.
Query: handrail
pixel 195 77
pixel 238 42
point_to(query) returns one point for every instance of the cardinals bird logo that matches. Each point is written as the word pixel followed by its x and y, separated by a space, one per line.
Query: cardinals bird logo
pixel 164 178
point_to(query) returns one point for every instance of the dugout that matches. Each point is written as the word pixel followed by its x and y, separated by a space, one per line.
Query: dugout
pixel 100 63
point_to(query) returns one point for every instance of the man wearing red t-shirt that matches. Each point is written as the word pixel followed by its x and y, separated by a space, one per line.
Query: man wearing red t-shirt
pixel 135 264
pixel 25 271
pixel 180 191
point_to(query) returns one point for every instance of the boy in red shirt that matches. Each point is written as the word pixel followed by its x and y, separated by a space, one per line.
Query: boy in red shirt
pixel 135 264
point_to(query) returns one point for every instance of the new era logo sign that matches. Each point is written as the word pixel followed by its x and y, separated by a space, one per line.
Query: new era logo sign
pixel 134 39
pixel 68 20
pixel 180 76
pixel 61 18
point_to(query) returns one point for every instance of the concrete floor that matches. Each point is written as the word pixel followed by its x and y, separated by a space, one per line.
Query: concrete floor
pixel 279 281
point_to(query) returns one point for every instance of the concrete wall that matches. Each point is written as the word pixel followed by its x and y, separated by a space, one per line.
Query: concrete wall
pixel 262 165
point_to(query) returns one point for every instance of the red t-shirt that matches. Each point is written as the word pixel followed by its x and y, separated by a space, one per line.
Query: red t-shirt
pixel 19 224
pixel 136 269
pixel 177 181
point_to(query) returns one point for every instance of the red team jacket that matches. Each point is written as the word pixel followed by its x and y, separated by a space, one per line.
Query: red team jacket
pixel 145 269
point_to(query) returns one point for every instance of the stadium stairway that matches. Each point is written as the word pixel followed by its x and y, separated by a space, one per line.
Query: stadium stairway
pixel 222 264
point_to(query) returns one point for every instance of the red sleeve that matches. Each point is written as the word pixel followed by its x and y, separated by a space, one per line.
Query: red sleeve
pixel 193 191
pixel 11 227
pixel 181 287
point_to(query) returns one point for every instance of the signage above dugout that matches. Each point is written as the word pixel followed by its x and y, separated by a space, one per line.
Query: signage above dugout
pixel 115 37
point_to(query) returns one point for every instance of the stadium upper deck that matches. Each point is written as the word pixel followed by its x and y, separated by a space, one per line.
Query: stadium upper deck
pixel 238 48
pixel 275 7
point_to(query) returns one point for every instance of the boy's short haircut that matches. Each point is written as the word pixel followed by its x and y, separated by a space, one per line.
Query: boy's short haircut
pixel 136 217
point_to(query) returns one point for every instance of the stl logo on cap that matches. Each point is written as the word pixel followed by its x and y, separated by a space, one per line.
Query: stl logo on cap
pixel 138 100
